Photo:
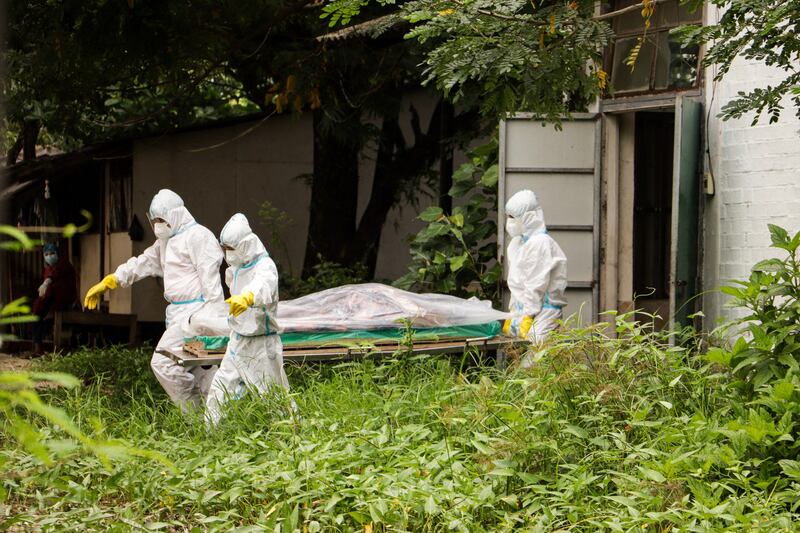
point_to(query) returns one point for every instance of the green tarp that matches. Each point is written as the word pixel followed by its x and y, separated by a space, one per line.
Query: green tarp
pixel 489 329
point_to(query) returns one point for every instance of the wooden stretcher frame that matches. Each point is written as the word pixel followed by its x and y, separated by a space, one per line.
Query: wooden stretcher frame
pixel 340 352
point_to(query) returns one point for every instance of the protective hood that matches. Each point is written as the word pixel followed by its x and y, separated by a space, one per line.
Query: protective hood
pixel 169 206
pixel 237 234
pixel 524 205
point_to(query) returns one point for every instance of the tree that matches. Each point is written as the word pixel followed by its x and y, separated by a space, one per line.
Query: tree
pixel 761 30
pixel 96 70
pixel 504 55
pixel 516 55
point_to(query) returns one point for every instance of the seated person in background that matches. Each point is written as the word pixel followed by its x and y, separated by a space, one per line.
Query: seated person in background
pixel 58 292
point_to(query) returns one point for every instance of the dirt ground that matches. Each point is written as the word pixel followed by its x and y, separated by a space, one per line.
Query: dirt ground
pixel 12 362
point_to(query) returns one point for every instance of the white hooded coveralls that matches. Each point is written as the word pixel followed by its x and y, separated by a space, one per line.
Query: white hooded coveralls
pixel 254 357
pixel 188 261
pixel 537 268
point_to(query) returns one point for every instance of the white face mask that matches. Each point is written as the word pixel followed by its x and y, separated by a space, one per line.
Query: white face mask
pixel 162 230
pixel 514 227
pixel 233 258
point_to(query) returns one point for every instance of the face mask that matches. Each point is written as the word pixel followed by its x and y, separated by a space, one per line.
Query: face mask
pixel 514 227
pixel 51 259
pixel 233 258
pixel 162 230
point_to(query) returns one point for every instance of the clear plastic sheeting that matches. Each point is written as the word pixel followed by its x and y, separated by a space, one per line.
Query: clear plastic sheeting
pixel 375 306
pixel 368 306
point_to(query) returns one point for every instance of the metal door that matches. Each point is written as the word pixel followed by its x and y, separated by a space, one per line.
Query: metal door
pixel 562 166
pixel 685 210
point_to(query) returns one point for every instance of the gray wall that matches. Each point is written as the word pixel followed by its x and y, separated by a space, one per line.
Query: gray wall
pixel 756 171
pixel 219 172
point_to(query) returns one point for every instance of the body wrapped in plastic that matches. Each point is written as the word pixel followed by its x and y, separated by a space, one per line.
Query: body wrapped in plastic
pixel 368 306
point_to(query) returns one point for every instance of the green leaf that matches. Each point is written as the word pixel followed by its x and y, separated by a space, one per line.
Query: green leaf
pixel 783 390
pixel 490 177
pixel 431 214
pixel 332 503
pixel 779 236
pixel 732 291
pixel 457 220
pixel 719 356
pixel 652 475
pixel 576 430
pixel 790 468
pixel 769 265
pixel 457 263
pixel 430 506
pixel 464 173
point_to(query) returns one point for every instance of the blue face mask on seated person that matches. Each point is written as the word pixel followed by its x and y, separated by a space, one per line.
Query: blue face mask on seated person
pixel 51 258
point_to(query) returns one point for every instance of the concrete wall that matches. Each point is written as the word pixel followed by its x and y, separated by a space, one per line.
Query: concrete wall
pixel 219 172
pixel 756 171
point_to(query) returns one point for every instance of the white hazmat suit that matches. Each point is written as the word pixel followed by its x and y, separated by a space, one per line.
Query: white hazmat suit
pixel 188 257
pixel 254 357
pixel 537 271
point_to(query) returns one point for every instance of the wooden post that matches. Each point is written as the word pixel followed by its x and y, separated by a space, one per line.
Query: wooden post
pixel 57 328
pixel 132 331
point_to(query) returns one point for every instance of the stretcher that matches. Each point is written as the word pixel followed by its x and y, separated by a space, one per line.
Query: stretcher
pixel 355 321
pixel 192 355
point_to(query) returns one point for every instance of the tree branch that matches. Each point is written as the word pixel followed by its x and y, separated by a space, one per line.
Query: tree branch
pixel 624 10
pixel 16 148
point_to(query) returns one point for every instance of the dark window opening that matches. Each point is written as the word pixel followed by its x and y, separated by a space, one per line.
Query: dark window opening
pixel 662 63
pixel 120 194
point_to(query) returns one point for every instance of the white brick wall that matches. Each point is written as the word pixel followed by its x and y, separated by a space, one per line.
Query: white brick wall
pixel 757 176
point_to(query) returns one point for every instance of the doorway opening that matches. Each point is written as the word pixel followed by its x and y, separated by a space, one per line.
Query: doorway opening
pixel 652 214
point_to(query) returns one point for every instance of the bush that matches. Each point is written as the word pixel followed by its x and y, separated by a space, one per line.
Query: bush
pixel 772 298
pixel 120 370
pixel 603 433
pixel 457 254
pixel 623 433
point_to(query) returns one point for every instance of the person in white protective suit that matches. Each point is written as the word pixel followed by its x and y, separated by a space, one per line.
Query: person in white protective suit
pixel 188 257
pixel 254 357
pixel 537 272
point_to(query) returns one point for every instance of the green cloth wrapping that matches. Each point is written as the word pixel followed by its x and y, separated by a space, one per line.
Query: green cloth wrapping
pixel 489 329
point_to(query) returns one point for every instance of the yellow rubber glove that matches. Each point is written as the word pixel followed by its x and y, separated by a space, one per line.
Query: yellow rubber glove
pixel 520 329
pixel 93 296
pixel 240 302
pixel 525 326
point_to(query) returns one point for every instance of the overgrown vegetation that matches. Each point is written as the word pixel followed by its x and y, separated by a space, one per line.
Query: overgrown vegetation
pixel 605 433
pixel 764 31
pixel 26 417
pixel 456 253
pixel 601 434
pixel 502 55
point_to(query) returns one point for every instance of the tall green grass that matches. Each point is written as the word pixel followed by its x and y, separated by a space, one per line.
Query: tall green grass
pixel 618 434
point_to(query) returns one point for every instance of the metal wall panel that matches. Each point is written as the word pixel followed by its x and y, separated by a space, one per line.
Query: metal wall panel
pixel 580 302
pixel 569 197
pixel 532 144
pixel 563 167
pixel 579 249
